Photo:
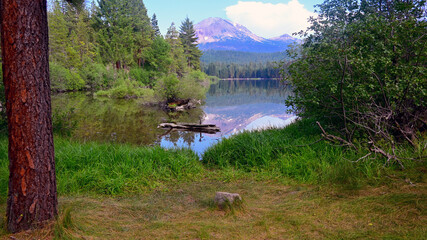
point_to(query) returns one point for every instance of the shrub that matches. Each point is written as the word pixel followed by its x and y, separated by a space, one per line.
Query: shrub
pixel 63 79
pixel 140 75
pixel 167 88
pixel 125 88
pixel 97 76
pixel 194 85
pixel 360 71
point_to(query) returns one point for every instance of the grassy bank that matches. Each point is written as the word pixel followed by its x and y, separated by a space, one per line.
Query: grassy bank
pixel 297 152
pixel 291 155
pixel 112 169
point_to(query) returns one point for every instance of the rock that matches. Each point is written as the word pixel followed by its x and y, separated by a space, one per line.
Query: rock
pixel 224 198
pixel 180 109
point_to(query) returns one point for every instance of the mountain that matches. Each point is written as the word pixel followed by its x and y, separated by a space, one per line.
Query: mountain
pixel 221 34
pixel 284 38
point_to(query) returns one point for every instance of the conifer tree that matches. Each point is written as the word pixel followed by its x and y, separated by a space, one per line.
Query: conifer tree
pixel 32 197
pixel 70 34
pixel 177 51
pixel 124 30
pixel 155 26
pixel 188 38
pixel 58 33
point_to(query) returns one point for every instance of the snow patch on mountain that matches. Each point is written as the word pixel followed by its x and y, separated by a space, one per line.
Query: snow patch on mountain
pixel 221 34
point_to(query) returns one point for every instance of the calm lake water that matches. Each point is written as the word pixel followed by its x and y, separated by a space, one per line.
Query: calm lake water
pixel 233 105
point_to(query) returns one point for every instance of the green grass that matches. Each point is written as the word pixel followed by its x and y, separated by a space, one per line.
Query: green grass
pixel 111 191
pixel 112 169
pixel 295 152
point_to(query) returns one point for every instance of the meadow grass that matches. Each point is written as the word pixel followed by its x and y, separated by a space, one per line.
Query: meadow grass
pixel 271 211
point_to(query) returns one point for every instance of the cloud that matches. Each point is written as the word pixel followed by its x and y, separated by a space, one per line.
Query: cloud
pixel 270 20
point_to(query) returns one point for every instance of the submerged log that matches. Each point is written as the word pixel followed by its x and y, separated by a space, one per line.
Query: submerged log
pixel 204 128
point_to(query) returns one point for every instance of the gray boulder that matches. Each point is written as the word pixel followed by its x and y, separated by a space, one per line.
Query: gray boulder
pixel 224 198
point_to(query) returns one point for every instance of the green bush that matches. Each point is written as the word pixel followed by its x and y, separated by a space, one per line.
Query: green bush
pixel 63 79
pixel 97 75
pixel 360 71
pixel 198 76
pixel 140 75
pixel 167 88
pixel 194 85
pixel 126 88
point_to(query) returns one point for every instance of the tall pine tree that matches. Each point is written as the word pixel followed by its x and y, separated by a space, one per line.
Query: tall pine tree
pixel 124 31
pixel 178 64
pixel 70 34
pixel 155 26
pixel 32 197
pixel 188 38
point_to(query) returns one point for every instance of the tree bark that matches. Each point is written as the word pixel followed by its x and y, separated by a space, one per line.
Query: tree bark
pixel 32 198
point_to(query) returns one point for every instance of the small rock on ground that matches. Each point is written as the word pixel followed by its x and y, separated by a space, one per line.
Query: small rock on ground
pixel 222 198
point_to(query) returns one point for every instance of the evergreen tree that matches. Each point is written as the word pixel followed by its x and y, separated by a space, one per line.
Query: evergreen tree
pixel 58 33
pixel 188 38
pixel 159 56
pixel 72 44
pixel 124 31
pixel 32 193
pixel 155 26
pixel 78 4
pixel 178 63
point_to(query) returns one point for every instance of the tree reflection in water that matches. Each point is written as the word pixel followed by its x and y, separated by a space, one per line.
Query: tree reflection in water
pixel 230 104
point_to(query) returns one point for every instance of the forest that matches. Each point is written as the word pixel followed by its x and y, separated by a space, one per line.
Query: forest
pixel 234 64
pixel 248 70
pixel 114 48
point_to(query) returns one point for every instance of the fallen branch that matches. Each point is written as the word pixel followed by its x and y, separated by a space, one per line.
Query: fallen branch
pixel 333 138
pixel 367 155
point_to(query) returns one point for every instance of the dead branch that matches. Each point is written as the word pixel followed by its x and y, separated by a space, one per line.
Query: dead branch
pixel 367 155
pixel 389 157
pixel 333 138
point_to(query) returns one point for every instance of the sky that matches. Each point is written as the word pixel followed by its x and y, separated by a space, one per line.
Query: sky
pixel 266 18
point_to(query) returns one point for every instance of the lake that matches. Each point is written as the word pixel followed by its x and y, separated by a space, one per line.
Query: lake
pixel 233 105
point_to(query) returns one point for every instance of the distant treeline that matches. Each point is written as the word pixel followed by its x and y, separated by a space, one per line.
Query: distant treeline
pixel 233 64
pixel 249 70
pixel 214 56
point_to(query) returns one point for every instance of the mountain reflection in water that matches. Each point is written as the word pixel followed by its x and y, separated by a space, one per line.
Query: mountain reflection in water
pixel 233 105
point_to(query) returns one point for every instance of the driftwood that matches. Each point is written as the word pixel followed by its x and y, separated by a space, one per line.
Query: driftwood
pixel 204 128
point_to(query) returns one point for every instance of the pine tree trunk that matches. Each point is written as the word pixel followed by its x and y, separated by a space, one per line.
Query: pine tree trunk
pixel 32 197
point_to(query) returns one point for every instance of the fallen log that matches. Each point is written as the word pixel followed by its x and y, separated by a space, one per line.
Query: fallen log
pixel 204 128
